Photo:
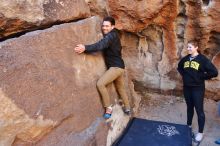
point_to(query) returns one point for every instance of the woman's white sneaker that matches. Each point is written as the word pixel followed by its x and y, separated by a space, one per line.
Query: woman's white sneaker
pixel 199 136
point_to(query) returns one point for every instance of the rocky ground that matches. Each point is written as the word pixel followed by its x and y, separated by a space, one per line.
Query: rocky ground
pixel 173 109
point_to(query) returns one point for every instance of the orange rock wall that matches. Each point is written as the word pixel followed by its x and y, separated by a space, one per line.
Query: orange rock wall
pixel 48 92
pixel 161 30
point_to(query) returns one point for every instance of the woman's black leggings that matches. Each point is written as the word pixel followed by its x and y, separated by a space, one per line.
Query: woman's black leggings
pixel 194 97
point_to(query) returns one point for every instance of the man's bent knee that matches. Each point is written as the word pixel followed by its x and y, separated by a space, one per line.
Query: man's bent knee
pixel 99 85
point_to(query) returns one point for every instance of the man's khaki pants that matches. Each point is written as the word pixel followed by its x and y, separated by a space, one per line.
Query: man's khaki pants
pixel 113 74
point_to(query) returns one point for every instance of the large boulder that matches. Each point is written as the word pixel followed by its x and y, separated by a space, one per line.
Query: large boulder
pixel 48 92
pixel 25 15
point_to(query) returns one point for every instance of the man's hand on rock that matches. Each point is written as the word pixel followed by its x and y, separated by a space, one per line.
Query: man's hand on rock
pixel 80 48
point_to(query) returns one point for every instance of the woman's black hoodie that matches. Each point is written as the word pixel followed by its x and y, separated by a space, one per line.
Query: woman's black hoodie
pixel 196 71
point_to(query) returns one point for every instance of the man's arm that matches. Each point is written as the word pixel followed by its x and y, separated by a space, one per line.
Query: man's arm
pixel 102 44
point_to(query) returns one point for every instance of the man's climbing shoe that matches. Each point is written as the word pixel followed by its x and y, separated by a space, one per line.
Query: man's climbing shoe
pixel 127 111
pixel 108 113
pixel 217 142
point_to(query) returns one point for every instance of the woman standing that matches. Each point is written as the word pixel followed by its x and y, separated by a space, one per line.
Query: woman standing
pixel 195 68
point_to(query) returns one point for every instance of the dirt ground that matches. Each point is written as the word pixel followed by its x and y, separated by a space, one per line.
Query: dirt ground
pixel 173 109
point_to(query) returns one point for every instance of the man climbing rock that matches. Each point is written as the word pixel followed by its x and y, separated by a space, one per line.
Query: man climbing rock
pixel 111 46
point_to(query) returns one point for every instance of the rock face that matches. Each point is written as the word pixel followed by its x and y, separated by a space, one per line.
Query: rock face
pixel 23 15
pixel 46 87
pixel 159 33
pixel 48 92
pixel 154 24
pixel 98 7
